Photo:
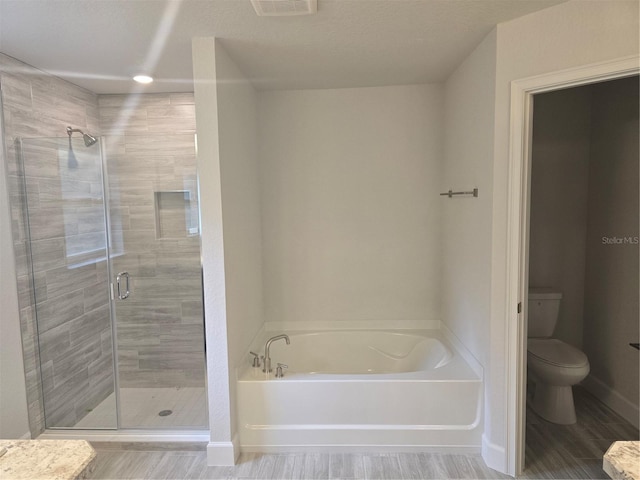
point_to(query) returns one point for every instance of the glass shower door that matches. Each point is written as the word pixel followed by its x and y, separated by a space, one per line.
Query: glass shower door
pixel 65 216
pixel 155 253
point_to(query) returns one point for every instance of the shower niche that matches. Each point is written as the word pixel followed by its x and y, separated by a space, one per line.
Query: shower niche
pixel 176 214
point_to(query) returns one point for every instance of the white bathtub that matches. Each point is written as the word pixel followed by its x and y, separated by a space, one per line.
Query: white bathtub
pixel 361 389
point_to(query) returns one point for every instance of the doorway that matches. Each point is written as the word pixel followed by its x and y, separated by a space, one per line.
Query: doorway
pixel 583 252
pixel 522 93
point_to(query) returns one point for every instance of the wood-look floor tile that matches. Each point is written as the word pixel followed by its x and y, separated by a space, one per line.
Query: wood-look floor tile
pixel 285 466
pixel 266 466
pixel 312 465
pixel 346 465
pixel 200 471
pixel 128 465
pixel 552 451
pixel 104 463
pixel 247 465
pixel 176 465
pixel 410 466
pixel 574 451
pixel 383 466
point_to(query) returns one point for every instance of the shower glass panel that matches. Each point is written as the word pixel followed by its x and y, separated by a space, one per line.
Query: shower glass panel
pixel 65 205
pixel 155 242
pixel 114 242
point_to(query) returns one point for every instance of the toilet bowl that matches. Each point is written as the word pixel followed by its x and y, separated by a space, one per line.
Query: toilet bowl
pixel 554 366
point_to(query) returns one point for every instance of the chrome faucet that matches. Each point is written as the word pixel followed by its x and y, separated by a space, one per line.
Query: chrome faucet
pixel 267 359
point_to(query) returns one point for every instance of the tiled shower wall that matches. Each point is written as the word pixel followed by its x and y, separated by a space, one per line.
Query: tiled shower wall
pixel 150 152
pixel 36 104
pixel 152 164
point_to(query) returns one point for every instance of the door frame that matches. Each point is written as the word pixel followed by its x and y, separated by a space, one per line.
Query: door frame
pixel 518 197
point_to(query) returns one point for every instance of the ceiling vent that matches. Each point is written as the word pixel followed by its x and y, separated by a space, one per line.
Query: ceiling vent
pixel 282 8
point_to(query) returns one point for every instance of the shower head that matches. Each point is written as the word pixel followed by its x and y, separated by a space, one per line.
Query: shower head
pixel 88 139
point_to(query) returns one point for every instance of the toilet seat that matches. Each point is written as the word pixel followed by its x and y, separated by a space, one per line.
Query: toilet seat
pixel 555 352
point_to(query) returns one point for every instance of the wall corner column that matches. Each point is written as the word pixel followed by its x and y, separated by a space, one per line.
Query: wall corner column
pixel 223 448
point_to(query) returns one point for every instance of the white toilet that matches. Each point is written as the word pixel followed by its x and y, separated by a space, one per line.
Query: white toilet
pixel 553 365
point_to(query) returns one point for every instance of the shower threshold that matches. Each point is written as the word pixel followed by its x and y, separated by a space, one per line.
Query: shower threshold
pixel 146 439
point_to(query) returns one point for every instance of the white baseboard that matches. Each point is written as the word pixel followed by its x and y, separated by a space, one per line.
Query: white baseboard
pixel 613 399
pixel 494 455
pixel 223 454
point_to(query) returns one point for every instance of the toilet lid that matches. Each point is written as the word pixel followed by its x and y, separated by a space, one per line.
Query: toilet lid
pixel 556 352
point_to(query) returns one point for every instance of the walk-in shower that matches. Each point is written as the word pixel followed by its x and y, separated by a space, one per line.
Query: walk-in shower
pixel 98 210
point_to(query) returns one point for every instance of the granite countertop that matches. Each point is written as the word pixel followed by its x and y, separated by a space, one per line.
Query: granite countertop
pixel 46 459
pixel 622 461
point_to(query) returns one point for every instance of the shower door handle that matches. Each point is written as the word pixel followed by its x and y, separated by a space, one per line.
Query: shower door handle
pixel 126 293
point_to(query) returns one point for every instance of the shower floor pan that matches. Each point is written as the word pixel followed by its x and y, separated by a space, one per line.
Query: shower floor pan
pixel 184 407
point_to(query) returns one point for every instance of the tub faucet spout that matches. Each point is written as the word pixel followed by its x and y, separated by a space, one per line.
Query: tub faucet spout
pixel 267 359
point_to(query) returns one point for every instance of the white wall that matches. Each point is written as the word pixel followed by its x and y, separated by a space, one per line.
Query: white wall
pixel 319 201
pixel 14 422
pixel 558 222
pixel 465 231
pixel 220 450
pixel 230 216
pixel 611 284
pixel 568 35
pixel 350 203
pixel 466 222
pixel 238 140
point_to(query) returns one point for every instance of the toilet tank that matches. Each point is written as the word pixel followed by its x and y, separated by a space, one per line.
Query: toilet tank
pixel 544 307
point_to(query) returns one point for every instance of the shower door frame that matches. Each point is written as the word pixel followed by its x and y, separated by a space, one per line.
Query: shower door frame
pixel 196 434
pixel 517 253
pixel 20 160
pixel 193 433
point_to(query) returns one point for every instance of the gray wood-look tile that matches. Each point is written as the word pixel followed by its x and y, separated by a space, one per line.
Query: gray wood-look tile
pixel 182 98
pixel 16 92
pixel 176 465
pixel 420 465
pixel 285 466
pixel 574 451
pixel 136 102
pixel 200 471
pixel 313 465
pixel 382 466
pixel 346 465
pixel 59 310
pixel 548 456
pixel 248 465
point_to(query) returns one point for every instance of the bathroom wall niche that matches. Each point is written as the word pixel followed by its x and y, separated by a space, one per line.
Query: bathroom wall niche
pixel 175 215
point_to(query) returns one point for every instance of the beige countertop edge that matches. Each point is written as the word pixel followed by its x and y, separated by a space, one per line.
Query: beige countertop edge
pixel 622 461
pixel 63 459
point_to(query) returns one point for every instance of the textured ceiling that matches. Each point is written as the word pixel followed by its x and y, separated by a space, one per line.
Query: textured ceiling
pixel 100 44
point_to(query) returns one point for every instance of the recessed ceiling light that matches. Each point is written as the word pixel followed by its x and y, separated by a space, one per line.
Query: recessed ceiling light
pixel 143 79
